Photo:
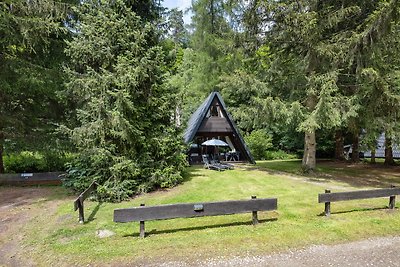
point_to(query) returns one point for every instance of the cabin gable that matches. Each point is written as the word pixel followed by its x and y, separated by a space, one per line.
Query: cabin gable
pixel 212 120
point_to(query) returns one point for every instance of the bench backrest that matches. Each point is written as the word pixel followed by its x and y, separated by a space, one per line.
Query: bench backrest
pixel 362 194
pixel 188 210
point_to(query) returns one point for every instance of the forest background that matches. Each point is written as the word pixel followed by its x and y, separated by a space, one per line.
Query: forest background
pixel 103 89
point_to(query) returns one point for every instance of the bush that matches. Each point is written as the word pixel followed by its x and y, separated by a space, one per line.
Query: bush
pixel 258 142
pixel 25 161
pixel 280 154
pixel 28 161
pixel 57 161
pixel 120 177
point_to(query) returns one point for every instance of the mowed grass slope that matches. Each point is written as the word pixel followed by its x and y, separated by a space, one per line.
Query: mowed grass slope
pixel 59 239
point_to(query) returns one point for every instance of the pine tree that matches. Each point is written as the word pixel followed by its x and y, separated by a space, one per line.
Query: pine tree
pixel 125 136
pixel 327 40
pixel 176 26
pixel 31 52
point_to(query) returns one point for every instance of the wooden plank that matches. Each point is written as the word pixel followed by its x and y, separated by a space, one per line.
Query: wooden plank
pixel 31 178
pixel 362 194
pixel 84 195
pixel 193 210
pixel 76 204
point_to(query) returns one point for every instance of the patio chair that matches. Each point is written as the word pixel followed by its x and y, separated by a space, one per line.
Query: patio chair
pixel 224 165
pixel 211 166
pixel 216 162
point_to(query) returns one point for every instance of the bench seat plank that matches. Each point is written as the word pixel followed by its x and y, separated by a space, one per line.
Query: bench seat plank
pixel 342 196
pixel 189 210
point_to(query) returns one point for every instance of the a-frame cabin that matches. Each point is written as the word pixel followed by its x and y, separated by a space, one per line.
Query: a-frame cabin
pixel 212 121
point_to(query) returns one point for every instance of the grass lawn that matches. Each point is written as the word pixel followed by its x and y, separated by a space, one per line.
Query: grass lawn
pixel 55 238
pixel 359 175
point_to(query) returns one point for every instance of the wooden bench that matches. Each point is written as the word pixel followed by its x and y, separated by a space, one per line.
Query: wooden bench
pixel 40 178
pixel 78 203
pixel 329 197
pixel 190 210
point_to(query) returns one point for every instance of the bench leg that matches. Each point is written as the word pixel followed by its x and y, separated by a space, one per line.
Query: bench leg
pixel 327 208
pixel 392 202
pixel 142 229
pixel 327 204
pixel 81 212
pixel 255 218
pixel 254 213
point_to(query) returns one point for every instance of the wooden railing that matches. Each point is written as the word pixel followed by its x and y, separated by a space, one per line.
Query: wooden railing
pixel 78 203
pixel 189 210
pixel 329 197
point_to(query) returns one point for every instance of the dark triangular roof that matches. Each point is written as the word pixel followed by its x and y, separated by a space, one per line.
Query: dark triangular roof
pixel 199 115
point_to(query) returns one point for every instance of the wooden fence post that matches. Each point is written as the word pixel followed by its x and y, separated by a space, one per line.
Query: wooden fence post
pixel 142 230
pixel 81 212
pixel 392 200
pixel 327 204
pixel 255 218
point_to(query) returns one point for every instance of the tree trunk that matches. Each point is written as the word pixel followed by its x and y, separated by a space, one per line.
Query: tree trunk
pixel 212 17
pixel 373 156
pixel 339 145
pixel 308 163
pixel 355 156
pixel 388 151
pixel 1 152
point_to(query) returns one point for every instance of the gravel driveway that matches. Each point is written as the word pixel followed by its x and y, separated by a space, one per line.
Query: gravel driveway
pixel 370 252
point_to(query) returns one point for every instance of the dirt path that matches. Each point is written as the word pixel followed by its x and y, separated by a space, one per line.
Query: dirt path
pixel 19 205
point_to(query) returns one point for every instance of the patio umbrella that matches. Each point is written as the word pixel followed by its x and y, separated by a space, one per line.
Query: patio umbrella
pixel 214 142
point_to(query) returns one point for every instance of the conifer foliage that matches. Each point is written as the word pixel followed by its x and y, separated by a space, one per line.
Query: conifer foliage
pixel 124 132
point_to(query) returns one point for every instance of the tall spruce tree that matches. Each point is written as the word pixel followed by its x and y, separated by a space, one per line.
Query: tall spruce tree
pixel 380 80
pixel 176 26
pixel 31 53
pixel 328 41
pixel 126 137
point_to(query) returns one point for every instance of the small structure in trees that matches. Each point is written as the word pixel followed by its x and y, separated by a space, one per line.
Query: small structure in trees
pixel 380 149
pixel 212 120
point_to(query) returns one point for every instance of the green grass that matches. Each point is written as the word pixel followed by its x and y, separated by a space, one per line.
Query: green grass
pixel 362 174
pixel 58 238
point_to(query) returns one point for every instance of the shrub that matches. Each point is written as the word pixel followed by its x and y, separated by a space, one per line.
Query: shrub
pixel 56 161
pixel 280 154
pixel 258 142
pixel 26 161
pixel 120 177
pixel 29 161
